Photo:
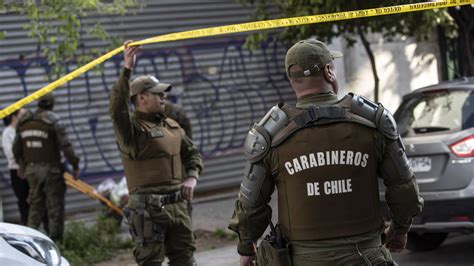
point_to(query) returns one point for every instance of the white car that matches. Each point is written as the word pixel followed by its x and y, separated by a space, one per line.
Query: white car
pixel 21 245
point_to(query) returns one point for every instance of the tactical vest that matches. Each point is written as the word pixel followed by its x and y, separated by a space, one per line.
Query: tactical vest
pixel 159 161
pixel 39 140
pixel 327 179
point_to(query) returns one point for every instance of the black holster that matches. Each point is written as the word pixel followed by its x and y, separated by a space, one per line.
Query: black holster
pixel 273 249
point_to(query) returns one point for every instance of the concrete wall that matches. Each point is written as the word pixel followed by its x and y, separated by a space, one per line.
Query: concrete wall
pixel 403 65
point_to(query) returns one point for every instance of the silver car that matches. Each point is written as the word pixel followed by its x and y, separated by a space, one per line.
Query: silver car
pixel 437 127
pixel 21 245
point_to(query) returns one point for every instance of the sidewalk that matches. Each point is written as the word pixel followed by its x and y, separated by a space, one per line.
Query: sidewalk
pixel 211 214
pixel 226 256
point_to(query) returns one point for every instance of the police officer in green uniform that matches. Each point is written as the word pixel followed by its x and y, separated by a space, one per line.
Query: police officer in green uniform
pixel 324 157
pixel 40 139
pixel 153 150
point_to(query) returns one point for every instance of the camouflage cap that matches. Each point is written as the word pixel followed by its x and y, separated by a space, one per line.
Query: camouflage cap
pixel 148 83
pixel 46 101
pixel 311 55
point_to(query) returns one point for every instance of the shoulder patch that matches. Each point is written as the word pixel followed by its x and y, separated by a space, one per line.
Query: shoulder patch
pixel 156 132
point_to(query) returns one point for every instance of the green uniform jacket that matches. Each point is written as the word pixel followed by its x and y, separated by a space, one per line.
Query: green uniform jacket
pixel 129 136
pixel 61 138
pixel 402 196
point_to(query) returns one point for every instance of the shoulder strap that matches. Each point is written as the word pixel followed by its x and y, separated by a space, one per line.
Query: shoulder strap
pixel 145 125
pixel 301 118
pixel 171 123
pixel 342 111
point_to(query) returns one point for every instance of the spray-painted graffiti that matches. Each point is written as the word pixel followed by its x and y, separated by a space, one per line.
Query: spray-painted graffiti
pixel 223 88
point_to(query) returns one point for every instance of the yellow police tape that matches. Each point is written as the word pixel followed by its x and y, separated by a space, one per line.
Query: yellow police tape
pixel 242 27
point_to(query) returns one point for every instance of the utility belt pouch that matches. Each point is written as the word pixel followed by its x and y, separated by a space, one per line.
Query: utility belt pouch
pixel 142 228
pixel 273 249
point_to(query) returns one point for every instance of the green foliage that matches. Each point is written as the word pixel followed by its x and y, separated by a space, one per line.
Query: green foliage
pixel 58 26
pixel 83 245
pixel 417 24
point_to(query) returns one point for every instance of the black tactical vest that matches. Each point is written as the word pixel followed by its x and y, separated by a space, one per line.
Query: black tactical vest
pixel 39 140
pixel 159 161
pixel 327 180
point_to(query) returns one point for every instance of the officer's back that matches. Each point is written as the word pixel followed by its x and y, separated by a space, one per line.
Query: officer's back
pixel 37 147
pixel 324 156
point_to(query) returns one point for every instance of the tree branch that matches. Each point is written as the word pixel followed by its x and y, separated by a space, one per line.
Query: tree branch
pixel 372 61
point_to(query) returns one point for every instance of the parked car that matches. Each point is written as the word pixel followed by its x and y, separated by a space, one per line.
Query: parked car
pixel 437 127
pixel 21 245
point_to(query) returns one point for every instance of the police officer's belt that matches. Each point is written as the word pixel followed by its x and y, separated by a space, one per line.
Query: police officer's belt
pixel 155 200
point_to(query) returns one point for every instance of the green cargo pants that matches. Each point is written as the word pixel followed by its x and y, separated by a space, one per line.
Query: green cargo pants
pixel 340 252
pixel 47 190
pixel 171 233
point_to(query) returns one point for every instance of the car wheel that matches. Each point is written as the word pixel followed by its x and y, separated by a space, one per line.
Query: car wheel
pixel 426 241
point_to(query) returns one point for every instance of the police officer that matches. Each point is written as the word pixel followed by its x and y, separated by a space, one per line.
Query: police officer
pixel 324 157
pixel 37 147
pixel 153 149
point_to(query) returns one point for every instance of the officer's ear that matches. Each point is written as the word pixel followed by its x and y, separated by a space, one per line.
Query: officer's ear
pixel 330 73
pixel 140 98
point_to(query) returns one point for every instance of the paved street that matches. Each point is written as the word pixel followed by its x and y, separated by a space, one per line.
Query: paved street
pixel 213 213
pixel 456 250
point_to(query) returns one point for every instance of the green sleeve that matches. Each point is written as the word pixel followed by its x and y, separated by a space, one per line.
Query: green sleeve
pixel 119 112
pixel 184 122
pixel 65 145
pixel 401 194
pixel 250 222
pixel 177 113
pixel 190 157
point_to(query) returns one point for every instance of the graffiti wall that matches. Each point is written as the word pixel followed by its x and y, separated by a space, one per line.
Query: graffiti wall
pixel 223 88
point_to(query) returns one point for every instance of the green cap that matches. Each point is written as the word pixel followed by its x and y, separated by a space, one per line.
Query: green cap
pixel 148 83
pixel 46 101
pixel 311 55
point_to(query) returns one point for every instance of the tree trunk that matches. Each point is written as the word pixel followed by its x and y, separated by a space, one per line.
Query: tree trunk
pixel 372 61
pixel 463 18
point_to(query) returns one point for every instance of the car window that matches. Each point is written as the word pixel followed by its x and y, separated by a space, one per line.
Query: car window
pixel 436 112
